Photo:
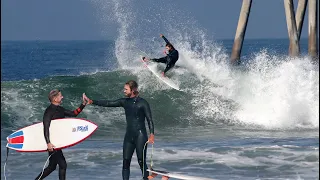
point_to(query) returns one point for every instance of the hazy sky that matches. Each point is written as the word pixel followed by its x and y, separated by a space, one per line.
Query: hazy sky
pixel 79 19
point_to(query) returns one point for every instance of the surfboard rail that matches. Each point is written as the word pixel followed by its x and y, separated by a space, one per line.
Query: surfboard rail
pixel 167 175
pixel 166 80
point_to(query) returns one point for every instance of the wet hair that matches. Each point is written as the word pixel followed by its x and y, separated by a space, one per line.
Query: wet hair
pixel 133 85
pixel 53 93
pixel 169 45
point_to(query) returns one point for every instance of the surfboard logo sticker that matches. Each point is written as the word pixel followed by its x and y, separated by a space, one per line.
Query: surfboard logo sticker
pixel 80 128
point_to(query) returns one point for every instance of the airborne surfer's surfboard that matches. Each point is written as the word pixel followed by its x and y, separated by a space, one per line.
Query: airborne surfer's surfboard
pixel 64 133
pixel 176 175
pixel 153 68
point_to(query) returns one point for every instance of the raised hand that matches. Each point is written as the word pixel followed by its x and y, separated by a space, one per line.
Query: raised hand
pixel 84 99
pixel 89 101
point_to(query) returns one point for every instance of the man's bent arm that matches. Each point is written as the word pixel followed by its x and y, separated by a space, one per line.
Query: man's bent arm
pixel 46 125
pixel 75 112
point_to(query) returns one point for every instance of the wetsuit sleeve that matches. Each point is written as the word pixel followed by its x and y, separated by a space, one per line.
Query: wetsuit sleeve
pixel 167 60
pixel 161 60
pixel 147 112
pixel 75 112
pixel 107 103
pixel 46 125
pixel 167 68
pixel 165 39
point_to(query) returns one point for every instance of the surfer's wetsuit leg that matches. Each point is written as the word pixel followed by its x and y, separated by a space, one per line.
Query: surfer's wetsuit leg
pixel 140 141
pixel 57 157
pixel 166 60
pixel 133 141
pixel 62 165
pixel 160 60
pixel 128 149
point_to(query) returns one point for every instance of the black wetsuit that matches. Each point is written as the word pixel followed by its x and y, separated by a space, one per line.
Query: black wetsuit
pixel 171 58
pixel 56 112
pixel 137 110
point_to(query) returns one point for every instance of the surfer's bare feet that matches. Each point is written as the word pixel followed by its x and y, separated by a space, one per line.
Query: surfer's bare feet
pixel 153 175
pixel 163 75
pixel 164 178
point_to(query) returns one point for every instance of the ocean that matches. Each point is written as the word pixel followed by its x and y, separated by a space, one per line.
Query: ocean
pixel 257 120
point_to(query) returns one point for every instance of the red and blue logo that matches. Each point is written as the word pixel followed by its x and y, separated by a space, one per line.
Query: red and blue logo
pixel 15 140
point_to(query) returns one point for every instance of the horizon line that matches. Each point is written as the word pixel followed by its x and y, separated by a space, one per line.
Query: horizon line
pixel 282 38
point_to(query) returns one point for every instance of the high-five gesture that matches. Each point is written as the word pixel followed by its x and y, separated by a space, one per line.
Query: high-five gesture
pixel 85 98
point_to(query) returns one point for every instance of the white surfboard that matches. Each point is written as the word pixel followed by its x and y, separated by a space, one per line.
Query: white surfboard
pixel 64 133
pixel 153 68
pixel 176 175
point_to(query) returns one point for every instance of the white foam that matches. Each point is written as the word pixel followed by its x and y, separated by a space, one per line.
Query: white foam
pixel 235 158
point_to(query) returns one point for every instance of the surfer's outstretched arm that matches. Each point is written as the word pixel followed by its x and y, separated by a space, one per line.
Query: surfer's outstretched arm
pixel 168 67
pixel 108 103
pixel 75 112
pixel 165 39
pixel 160 60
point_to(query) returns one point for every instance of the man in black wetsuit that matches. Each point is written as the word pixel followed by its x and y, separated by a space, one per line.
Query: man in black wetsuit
pixel 55 111
pixel 137 110
pixel 170 59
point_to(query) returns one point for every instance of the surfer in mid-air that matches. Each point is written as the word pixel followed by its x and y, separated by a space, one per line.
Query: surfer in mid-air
pixel 170 59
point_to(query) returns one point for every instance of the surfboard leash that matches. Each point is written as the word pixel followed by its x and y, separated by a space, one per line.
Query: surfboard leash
pixel 144 147
pixel 5 163
pixel 45 164
pixel 151 161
